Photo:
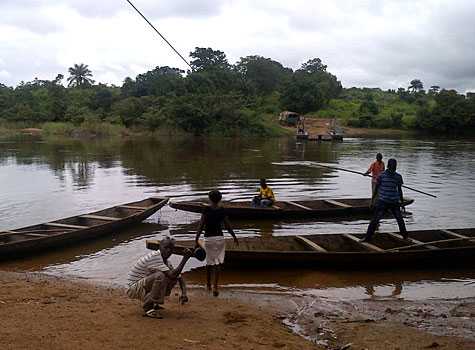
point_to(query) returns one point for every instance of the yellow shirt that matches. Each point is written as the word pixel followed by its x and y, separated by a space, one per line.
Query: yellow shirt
pixel 266 193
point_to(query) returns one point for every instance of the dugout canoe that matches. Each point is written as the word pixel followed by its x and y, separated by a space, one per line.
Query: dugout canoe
pixel 56 233
pixel 425 248
pixel 289 209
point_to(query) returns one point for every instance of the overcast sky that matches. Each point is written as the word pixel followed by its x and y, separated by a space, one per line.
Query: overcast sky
pixel 373 43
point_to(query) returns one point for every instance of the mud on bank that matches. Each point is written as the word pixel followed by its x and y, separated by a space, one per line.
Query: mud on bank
pixel 39 311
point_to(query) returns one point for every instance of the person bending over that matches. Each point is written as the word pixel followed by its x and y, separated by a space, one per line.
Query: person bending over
pixel 153 277
pixel 389 191
pixel 212 221
pixel 265 198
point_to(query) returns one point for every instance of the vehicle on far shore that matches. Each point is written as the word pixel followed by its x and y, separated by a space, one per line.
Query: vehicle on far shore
pixel 288 118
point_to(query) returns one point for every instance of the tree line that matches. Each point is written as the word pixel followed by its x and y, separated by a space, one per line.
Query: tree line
pixel 217 97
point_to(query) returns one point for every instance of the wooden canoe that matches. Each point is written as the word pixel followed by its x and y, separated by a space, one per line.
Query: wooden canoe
pixel 289 209
pixel 426 248
pixel 32 239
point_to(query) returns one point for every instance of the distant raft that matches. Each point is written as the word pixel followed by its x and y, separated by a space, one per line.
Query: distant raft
pixel 57 233
pixel 424 248
pixel 289 209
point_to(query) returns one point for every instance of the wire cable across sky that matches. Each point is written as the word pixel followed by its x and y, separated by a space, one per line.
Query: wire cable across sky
pixel 156 30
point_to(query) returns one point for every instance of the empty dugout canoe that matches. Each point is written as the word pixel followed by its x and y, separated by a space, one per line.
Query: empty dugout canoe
pixel 425 248
pixel 53 234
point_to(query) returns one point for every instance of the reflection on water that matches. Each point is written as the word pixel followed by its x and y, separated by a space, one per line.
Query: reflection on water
pixel 42 181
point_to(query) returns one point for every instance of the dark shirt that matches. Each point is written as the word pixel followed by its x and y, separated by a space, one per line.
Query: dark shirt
pixel 213 221
pixel 389 186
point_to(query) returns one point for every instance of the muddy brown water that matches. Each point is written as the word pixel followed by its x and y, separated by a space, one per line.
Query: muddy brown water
pixel 46 180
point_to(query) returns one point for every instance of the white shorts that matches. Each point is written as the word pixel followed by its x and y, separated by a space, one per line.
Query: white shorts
pixel 215 248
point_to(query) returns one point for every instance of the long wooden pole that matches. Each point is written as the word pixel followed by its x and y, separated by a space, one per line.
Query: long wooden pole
pixel 360 173
pixel 430 243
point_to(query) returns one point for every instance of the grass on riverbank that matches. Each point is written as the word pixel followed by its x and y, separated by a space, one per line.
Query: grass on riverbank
pixel 85 129
pixel 91 128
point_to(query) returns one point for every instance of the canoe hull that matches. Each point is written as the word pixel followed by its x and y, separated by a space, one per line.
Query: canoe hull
pixel 31 246
pixel 344 251
pixel 245 211
pixel 352 261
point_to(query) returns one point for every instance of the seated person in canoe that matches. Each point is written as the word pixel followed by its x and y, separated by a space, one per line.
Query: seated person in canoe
pixel 212 221
pixel 153 277
pixel 265 198
pixel 389 192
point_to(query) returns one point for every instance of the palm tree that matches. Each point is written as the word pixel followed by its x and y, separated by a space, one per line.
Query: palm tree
pixel 79 75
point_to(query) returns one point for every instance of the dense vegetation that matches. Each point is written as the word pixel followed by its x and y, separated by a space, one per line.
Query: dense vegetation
pixel 217 97
pixel 412 108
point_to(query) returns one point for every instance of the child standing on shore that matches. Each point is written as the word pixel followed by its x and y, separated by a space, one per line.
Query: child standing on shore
pixel 212 221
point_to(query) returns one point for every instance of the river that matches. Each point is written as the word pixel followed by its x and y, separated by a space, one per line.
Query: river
pixel 46 180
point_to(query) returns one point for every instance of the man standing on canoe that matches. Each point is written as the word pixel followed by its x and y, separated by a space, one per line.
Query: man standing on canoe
pixel 389 191
pixel 375 169
pixel 265 198
pixel 153 277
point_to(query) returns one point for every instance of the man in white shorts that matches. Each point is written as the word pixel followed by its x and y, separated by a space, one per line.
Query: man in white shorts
pixel 153 277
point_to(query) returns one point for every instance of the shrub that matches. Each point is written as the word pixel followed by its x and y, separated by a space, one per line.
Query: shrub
pixel 58 128
pixel 409 121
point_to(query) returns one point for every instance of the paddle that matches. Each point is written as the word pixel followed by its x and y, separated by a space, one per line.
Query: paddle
pixel 360 173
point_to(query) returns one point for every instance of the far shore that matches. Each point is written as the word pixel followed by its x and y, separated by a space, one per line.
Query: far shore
pixel 40 311
pixel 106 130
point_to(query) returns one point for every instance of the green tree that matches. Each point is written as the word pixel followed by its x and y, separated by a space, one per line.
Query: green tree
pixel 128 88
pixel 80 76
pixel 263 74
pixel 206 59
pixel 369 106
pixel 162 81
pixel 212 74
pixel 416 85
pixel 102 98
pixel 329 85
pixel 130 109
pixel 302 94
pixel 313 66
pixel 434 89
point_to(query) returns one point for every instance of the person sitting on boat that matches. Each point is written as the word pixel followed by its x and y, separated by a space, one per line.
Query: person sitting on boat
pixel 265 198
pixel 153 277
pixel 212 221
pixel 389 191
pixel 375 169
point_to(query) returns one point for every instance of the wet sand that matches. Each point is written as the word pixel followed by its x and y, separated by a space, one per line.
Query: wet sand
pixel 40 311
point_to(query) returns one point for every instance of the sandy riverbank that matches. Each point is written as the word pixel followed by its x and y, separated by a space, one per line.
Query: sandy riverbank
pixel 322 126
pixel 43 312
pixel 39 312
